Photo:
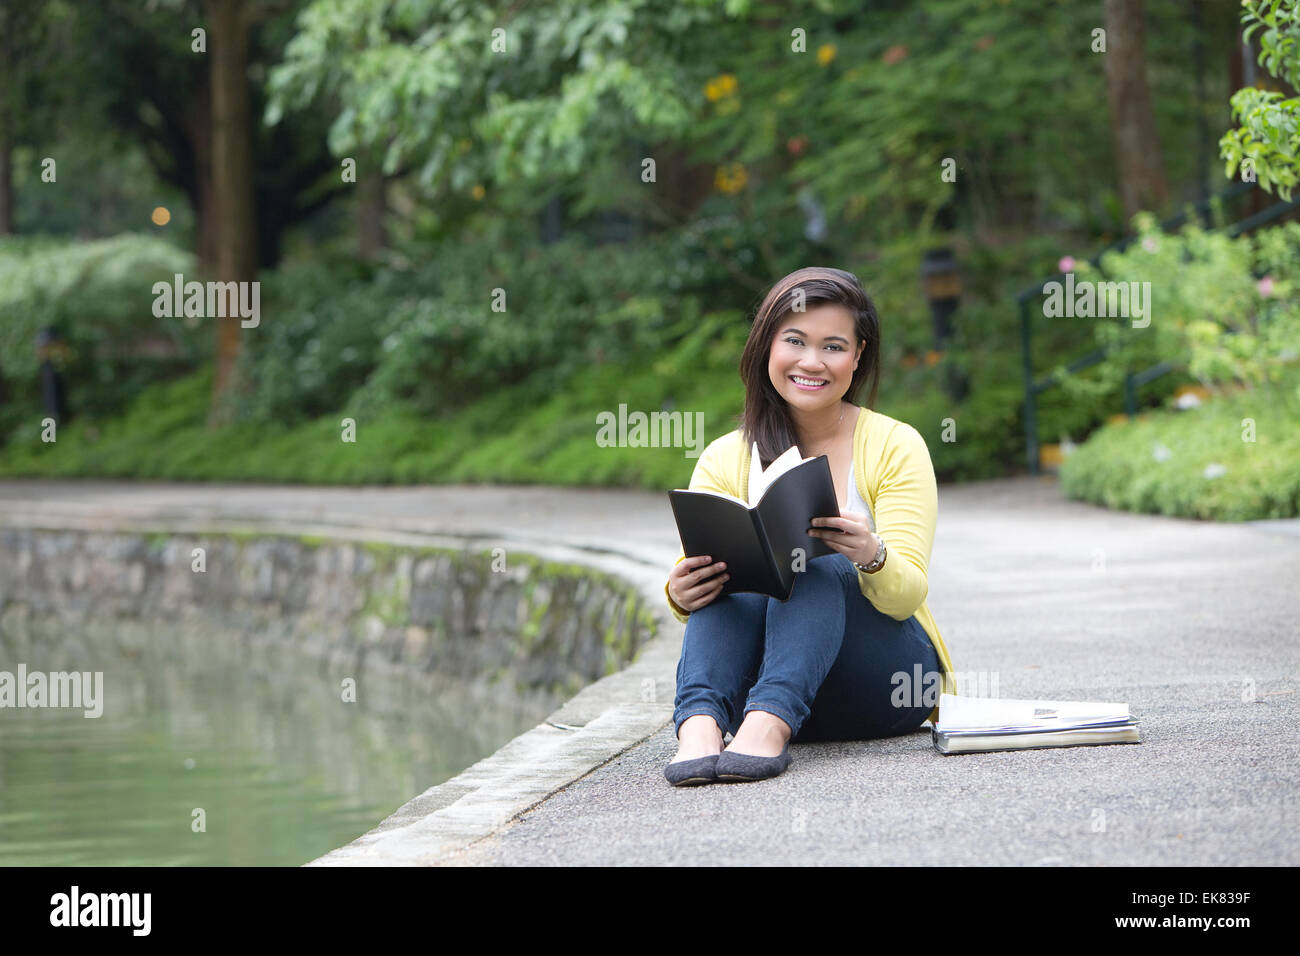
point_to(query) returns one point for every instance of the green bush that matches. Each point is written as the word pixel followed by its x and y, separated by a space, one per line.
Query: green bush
pixel 563 308
pixel 1231 459
pixel 443 388
pixel 318 340
pixel 98 296
pixel 1220 306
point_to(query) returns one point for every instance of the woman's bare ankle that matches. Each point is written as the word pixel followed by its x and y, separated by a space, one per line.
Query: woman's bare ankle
pixel 761 734
pixel 698 736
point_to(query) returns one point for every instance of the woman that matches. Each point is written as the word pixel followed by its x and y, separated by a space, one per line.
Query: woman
pixel 841 658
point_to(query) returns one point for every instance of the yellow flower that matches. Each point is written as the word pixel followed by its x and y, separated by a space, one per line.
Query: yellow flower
pixel 825 53
pixel 478 192
pixel 730 178
pixel 720 87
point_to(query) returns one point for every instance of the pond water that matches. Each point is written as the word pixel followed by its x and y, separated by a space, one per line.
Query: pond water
pixel 256 737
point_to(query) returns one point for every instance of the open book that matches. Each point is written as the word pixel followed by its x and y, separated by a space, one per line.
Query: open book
pixel 761 542
pixel 972 724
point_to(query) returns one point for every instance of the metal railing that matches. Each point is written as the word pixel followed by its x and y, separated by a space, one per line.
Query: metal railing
pixel 1035 386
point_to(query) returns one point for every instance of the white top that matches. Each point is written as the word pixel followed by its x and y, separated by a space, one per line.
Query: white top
pixel 856 502
pixel 760 478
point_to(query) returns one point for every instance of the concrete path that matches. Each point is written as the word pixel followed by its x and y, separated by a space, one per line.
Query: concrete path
pixel 1193 624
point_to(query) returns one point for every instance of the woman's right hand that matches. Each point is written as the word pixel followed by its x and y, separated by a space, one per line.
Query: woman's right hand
pixel 694 582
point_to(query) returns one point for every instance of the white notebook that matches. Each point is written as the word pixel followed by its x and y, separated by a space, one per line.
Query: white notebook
pixel 971 724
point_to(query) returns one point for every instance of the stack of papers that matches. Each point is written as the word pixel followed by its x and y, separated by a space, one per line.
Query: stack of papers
pixel 974 724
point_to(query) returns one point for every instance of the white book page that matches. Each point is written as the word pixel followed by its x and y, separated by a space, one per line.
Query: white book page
pixel 761 479
pixel 992 713
pixel 957 744
pixel 716 494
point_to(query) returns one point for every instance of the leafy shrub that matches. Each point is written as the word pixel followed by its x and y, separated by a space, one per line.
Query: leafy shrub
pixel 1266 137
pixel 1222 306
pixel 566 308
pixel 1231 459
pixel 98 296
pixel 322 322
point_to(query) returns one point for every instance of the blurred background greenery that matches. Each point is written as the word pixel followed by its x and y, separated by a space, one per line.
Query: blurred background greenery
pixel 633 176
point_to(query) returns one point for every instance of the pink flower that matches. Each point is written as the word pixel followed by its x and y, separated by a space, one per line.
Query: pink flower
pixel 1066 264
pixel 895 54
pixel 1265 286
pixel 1149 244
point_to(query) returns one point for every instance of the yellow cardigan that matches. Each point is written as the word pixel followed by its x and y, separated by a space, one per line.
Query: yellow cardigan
pixel 896 478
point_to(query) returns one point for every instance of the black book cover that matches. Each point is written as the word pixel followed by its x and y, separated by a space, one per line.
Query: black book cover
pixel 758 542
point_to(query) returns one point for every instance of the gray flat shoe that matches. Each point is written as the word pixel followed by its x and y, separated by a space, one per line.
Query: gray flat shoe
pixel 690 773
pixel 734 766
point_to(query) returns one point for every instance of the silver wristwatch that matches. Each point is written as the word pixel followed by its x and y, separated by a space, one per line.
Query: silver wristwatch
pixel 876 562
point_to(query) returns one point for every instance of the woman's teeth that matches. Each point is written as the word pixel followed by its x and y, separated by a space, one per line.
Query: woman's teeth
pixel 808 383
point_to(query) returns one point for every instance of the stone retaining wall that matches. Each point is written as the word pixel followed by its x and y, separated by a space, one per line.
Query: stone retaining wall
pixel 459 614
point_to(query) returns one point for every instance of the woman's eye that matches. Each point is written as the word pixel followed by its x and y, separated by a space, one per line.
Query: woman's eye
pixel 794 341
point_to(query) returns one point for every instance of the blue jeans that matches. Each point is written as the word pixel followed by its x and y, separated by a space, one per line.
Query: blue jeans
pixel 825 661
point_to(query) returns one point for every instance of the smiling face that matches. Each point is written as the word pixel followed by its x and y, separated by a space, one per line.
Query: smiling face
pixel 816 346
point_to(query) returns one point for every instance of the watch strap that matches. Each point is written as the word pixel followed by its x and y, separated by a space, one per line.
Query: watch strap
pixel 876 562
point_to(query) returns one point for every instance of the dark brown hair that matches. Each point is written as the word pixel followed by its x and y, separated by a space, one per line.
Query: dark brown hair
pixel 766 418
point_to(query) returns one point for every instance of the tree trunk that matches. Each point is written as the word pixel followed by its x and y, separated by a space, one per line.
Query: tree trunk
pixel 6 139
pixel 6 175
pixel 371 211
pixel 235 229
pixel 205 234
pixel 1138 161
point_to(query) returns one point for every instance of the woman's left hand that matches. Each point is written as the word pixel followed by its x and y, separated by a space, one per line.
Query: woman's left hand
pixel 850 534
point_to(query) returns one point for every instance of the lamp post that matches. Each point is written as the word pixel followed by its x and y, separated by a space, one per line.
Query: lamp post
pixel 50 353
pixel 941 281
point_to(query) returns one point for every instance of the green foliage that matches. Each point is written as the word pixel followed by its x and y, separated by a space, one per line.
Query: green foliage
pixel 1232 459
pixel 860 118
pixel 1268 137
pixel 571 82
pixel 1225 310
pixel 921 84
pixel 98 295
pixel 1208 311
pixel 414 353
pixel 319 342
pixel 425 336
pixel 498 318
pixel 753 139
pixel 541 430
